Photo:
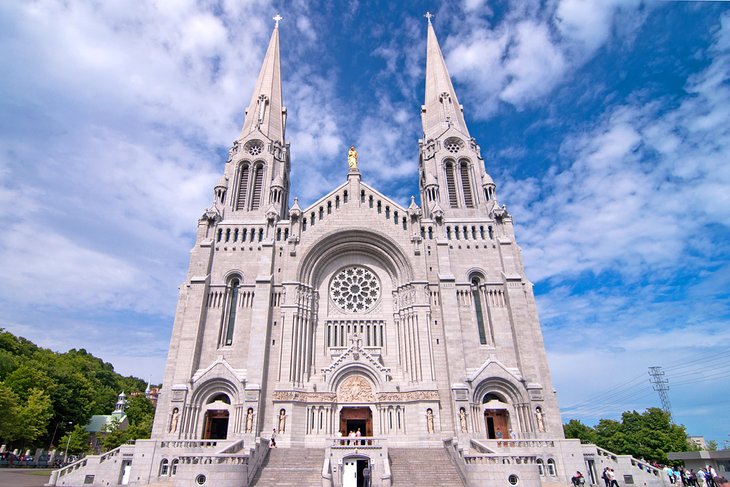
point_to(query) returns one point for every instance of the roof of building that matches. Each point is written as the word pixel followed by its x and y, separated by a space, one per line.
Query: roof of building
pixel 98 421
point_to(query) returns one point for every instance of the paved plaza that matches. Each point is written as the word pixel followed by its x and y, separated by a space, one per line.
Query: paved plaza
pixel 23 477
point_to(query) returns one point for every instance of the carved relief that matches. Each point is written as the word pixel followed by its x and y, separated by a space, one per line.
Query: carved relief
pixel 408 396
pixel 292 396
pixel 355 389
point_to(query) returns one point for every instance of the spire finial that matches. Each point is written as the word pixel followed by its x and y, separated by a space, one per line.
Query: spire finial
pixel 277 18
pixel 428 15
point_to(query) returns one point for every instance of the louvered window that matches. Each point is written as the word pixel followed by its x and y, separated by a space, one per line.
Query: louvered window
pixel 451 186
pixel 242 188
pixel 465 186
pixel 257 184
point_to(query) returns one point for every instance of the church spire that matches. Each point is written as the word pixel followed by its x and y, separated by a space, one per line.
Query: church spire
pixel 441 109
pixel 266 112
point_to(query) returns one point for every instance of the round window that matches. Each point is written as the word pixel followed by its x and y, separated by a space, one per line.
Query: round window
pixel 513 479
pixel 254 147
pixel 453 144
pixel 200 479
pixel 355 289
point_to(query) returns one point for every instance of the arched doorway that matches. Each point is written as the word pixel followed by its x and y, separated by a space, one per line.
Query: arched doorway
pixel 216 425
pixel 353 419
pixel 496 417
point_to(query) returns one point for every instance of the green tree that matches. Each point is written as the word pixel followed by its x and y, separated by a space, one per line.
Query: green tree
pixel 79 442
pixel 576 429
pixel 34 417
pixel 9 403
pixel 139 409
pixel 650 435
pixel 112 435
pixel 712 445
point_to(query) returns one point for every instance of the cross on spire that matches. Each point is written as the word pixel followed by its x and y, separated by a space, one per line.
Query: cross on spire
pixel 277 18
pixel 428 15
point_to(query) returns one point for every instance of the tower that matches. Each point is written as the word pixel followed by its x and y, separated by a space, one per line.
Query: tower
pixel 452 174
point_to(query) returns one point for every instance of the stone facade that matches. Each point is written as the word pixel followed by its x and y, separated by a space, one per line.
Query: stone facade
pixel 415 326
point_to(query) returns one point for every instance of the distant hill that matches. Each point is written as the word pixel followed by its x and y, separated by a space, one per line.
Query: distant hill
pixel 42 391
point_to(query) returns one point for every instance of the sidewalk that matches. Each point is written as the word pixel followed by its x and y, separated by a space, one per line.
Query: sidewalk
pixel 23 477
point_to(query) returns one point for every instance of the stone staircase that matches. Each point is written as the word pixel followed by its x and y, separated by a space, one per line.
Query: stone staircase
pixel 286 467
pixel 422 467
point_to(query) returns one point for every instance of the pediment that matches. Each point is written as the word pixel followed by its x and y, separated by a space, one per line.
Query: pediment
pixel 491 368
pixel 357 355
pixel 220 369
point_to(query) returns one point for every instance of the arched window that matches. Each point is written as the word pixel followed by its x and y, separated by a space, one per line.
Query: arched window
pixel 242 187
pixel 232 305
pixel 551 467
pixel 258 182
pixel 479 308
pixel 466 184
pixel 164 467
pixel 540 467
pixel 173 466
pixel 451 185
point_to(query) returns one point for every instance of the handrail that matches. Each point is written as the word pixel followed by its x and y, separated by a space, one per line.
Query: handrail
pixel 357 441
pixel 456 455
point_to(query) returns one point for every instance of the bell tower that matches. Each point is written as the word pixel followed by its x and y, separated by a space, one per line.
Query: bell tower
pixel 256 178
pixel 453 180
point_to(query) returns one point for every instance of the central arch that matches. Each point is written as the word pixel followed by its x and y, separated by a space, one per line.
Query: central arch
pixel 352 242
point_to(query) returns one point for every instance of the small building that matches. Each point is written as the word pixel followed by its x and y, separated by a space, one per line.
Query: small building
pixel 719 460
pixel 101 424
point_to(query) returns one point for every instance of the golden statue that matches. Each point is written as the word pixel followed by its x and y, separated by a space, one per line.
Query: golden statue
pixel 352 158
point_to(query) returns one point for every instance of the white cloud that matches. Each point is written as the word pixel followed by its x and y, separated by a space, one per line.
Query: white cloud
pixel 534 64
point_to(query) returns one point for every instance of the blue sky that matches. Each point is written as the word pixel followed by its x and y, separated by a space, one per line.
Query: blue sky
pixel 605 124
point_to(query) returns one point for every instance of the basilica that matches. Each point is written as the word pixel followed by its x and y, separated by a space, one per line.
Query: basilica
pixel 369 342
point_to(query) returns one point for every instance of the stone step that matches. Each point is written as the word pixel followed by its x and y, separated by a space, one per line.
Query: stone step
pixel 291 467
pixel 424 467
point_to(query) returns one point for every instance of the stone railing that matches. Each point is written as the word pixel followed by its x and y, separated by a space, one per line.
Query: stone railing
pixel 628 459
pixel 357 442
pixel 492 445
pixel 188 444
pixel 257 457
pixel 457 457
pixel 499 459
pixel 215 458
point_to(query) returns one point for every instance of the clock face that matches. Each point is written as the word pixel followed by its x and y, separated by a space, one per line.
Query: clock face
pixel 355 289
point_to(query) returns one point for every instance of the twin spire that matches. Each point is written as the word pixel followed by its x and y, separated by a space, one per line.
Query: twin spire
pixel 440 111
pixel 266 112
pixel 441 108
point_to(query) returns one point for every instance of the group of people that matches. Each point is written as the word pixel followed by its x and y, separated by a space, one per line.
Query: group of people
pixel 609 477
pixel 704 477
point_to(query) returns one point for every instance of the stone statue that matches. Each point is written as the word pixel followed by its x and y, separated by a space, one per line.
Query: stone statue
pixel 462 420
pixel 249 420
pixel 173 420
pixel 540 420
pixel 429 420
pixel 282 421
pixel 352 158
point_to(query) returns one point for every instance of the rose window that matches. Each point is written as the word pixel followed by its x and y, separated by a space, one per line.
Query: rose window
pixel 453 145
pixel 355 289
pixel 255 147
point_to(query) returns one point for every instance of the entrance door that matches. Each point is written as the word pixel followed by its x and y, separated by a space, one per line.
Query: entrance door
pixel 349 474
pixel 497 422
pixel 126 471
pixel 353 473
pixel 353 419
pixel 216 425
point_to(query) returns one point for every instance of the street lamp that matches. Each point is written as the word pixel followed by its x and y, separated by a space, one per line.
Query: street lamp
pixel 65 454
